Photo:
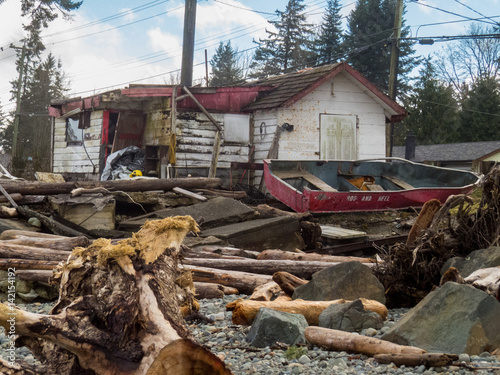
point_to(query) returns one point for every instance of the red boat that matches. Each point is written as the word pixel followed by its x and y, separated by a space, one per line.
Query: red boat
pixel 362 185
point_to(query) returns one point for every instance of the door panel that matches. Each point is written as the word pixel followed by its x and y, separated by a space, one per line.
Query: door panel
pixel 129 130
pixel 337 137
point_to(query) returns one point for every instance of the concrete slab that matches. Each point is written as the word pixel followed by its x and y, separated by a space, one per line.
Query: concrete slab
pixel 261 234
pixel 212 213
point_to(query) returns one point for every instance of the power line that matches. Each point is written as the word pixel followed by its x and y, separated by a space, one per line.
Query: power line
pixel 475 11
pixel 116 27
pixel 102 20
pixel 447 11
pixel 249 10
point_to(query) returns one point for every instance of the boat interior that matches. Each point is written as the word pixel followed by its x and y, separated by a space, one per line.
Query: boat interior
pixel 394 175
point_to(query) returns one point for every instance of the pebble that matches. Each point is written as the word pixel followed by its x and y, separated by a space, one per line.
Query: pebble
pixel 227 341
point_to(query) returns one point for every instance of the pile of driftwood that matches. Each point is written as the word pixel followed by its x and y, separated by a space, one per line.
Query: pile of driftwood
pixel 119 310
pixel 460 226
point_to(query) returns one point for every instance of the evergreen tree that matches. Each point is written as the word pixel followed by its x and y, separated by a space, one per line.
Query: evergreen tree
pixel 433 111
pixel 47 83
pixel 40 14
pixel 287 49
pixel 225 67
pixel 328 45
pixel 368 43
pixel 480 115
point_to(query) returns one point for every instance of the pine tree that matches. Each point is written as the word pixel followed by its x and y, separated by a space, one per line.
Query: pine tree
pixel 433 110
pixel 40 14
pixel 328 46
pixel 368 43
pixel 46 83
pixel 287 49
pixel 480 114
pixel 225 66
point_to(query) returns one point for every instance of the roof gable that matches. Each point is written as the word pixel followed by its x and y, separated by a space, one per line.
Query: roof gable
pixel 291 87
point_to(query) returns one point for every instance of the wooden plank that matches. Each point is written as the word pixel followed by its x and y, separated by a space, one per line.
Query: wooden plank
pixel 398 182
pixel 374 187
pixel 338 233
pixel 308 177
pixel 190 194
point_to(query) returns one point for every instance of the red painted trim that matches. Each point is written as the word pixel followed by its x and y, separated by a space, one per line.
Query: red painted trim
pixel 54 112
pixel 105 128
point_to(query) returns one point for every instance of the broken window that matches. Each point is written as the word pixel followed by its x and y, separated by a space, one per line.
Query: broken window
pixel 74 135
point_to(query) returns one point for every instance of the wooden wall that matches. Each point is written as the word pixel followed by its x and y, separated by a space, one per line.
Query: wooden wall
pixel 340 96
pixel 195 139
pixel 73 159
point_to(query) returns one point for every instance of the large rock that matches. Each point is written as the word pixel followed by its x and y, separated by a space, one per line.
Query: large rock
pixel 272 326
pixel 476 260
pixel 349 280
pixel 455 318
pixel 349 317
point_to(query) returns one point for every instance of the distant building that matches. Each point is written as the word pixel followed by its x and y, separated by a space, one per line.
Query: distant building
pixel 475 156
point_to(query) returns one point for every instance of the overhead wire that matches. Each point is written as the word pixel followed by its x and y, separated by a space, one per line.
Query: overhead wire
pixel 447 11
pixel 475 11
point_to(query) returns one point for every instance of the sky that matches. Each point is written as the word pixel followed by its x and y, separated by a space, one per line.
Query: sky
pixel 111 44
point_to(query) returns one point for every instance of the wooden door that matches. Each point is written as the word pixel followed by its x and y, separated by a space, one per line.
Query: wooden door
pixel 337 137
pixel 129 130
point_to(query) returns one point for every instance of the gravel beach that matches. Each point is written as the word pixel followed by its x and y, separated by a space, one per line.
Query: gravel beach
pixel 227 340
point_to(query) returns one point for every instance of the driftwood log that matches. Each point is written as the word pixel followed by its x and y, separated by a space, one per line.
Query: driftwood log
pixel 245 282
pixel 28 252
pixel 265 292
pixel 301 269
pixel 210 290
pixel 119 310
pixel 289 255
pixel 288 282
pixel 63 243
pixel 336 340
pixel 245 311
pixel 45 188
pixel 415 360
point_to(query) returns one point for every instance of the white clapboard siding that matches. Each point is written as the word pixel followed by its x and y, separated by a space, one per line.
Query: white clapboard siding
pixel 75 158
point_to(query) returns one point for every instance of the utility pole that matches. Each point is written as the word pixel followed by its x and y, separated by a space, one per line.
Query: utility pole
pixel 188 43
pixel 393 70
pixel 18 100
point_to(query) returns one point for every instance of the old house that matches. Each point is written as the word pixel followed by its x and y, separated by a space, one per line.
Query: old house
pixel 478 157
pixel 329 112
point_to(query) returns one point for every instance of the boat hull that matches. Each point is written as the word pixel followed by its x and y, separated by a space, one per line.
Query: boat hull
pixel 319 201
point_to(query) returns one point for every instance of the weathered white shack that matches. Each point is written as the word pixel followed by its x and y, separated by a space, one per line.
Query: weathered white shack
pixel 329 112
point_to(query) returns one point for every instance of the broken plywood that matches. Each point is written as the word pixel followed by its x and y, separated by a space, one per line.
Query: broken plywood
pixel 94 212
pixel 261 234
pixel 338 233
pixel 209 214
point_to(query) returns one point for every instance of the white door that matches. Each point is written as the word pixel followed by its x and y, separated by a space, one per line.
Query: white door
pixel 337 137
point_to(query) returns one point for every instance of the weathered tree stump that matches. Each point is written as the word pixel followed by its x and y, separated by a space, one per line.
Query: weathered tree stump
pixel 119 310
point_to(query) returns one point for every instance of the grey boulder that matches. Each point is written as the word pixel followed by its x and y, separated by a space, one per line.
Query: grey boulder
pixel 455 319
pixel 272 326
pixel 349 280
